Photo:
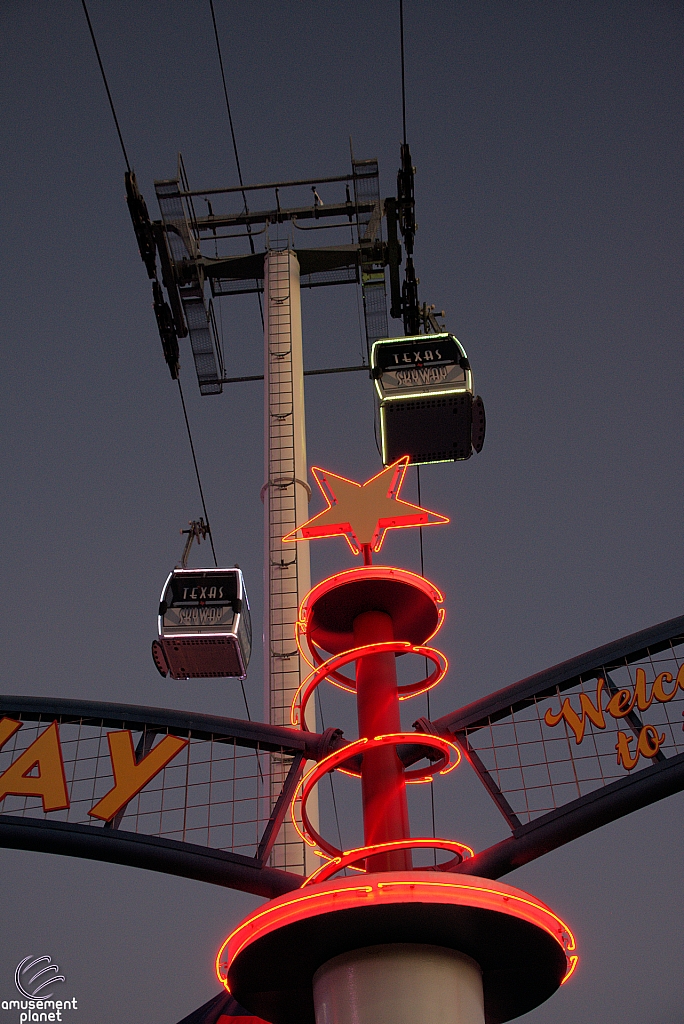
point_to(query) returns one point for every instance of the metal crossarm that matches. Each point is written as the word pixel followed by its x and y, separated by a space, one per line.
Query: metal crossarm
pixel 197 246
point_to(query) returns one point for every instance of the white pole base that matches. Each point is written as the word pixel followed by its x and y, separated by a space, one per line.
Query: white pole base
pixel 399 983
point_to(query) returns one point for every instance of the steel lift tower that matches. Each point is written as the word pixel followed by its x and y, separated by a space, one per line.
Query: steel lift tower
pixel 193 280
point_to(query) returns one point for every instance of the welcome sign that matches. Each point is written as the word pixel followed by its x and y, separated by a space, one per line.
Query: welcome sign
pixel 177 777
pixel 621 704
pixel 560 753
pixel 579 727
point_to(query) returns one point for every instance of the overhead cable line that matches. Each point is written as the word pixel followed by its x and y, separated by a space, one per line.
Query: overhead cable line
pixel 232 135
pixel 249 717
pixel 106 85
pixel 197 473
pixel 330 774
pixel 403 79
pixel 128 168
pixel 225 93
pixel 427 695
pixel 420 531
pixel 251 243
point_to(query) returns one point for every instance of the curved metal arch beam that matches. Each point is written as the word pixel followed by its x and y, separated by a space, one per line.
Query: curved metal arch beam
pixel 132 716
pixel 140 851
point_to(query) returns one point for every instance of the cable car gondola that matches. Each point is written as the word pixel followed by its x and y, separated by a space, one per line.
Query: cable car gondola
pixel 424 388
pixel 204 626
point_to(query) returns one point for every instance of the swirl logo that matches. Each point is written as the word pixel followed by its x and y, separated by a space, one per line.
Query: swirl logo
pixel 31 984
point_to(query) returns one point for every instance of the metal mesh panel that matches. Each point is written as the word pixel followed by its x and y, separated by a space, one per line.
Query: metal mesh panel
pixel 540 766
pixel 214 793
pixel 342 275
pixel 232 286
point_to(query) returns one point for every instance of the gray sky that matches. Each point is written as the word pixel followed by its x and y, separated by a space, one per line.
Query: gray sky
pixel 547 138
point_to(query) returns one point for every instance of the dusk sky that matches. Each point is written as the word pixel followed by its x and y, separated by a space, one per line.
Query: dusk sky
pixel 547 138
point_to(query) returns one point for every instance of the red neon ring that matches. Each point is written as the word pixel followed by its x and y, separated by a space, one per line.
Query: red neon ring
pixel 351 857
pixel 345 683
pixel 328 668
pixel 376 572
pixel 413 579
pixel 338 757
pixel 408 689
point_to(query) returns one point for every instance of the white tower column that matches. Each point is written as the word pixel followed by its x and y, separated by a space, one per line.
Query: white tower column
pixel 287 574
pixel 400 983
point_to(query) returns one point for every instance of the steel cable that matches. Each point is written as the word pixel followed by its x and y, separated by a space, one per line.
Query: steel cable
pixel 106 85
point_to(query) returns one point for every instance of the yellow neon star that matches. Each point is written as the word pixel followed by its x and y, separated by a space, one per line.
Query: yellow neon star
pixel 363 513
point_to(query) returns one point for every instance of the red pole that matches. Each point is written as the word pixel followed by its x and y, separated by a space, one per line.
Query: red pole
pixel 385 809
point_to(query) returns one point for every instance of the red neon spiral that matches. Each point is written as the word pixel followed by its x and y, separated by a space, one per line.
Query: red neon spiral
pixel 329 669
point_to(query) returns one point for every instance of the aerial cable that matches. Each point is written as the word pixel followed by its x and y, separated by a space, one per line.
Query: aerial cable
pixel 197 473
pixel 104 79
pixel 180 389
pixel 232 135
pixel 128 167
pixel 206 516
pixel 403 118
pixel 427 695
pixel 244 697
pixel 225 93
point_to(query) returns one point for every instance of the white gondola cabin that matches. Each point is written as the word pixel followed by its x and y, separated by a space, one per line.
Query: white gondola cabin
pixel 204 626
pixel 424 389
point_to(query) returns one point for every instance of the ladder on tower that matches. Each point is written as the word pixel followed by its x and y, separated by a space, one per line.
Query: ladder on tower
pixel 286 491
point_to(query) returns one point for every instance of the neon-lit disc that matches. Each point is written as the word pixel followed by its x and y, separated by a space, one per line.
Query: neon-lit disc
pixel 524 949
pixel 330 608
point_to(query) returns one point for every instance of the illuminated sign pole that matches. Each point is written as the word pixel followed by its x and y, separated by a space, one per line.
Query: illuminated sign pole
pixel 393 944
pixel 287 575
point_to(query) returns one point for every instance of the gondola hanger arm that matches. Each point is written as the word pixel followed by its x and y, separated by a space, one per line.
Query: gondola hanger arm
pixel 199 531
